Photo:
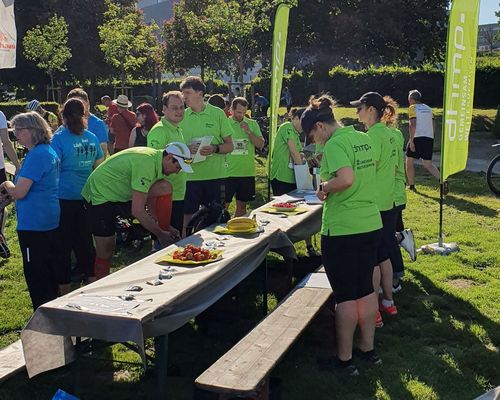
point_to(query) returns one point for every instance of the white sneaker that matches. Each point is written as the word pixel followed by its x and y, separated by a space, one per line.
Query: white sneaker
pixel 408 243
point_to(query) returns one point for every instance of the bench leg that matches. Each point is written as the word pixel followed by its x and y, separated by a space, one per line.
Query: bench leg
pixel 161 357
pixel 265 287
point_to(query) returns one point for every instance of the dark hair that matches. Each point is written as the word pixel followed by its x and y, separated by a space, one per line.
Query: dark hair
pixel 239 100
pixel 390 113
pixel 150 113
pixel 172 93
pixel 78 93
pixel 193 82
pixel 296 112
pixel 320 110
pixel 217 100
pixel 73 113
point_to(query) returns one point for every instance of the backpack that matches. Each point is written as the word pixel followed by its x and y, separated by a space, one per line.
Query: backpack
pixel 214 213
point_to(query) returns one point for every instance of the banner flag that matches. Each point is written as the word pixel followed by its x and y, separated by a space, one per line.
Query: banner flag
pixel 277 64
pixel 8 35
pixel 459 85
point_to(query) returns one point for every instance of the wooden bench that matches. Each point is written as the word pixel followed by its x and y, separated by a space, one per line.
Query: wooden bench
pixel 243 371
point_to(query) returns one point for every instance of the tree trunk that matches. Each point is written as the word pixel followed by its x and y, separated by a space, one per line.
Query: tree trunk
pixel 202 71
pixel 52 86
pixel 241 69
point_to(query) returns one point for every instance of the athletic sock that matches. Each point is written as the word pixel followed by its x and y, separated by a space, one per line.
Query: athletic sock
pixel 387 303
pixel 101 267
pixel 164 210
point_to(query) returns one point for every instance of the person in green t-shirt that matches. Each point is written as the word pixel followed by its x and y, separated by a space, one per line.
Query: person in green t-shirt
pixel 241 161
pixel 204 121
pixel 350 229
pixel 287 150
pixel 371 107
pixel 167 130
pixel 124 184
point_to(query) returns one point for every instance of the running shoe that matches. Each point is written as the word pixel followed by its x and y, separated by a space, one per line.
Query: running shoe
pixel 339 367
pixel 412 188
pixel 367 356
pixel 4 249
pixel 391 310
pixel 378 320
pixel 408 243
pixel 396 285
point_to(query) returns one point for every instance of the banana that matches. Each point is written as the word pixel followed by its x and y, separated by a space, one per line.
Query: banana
pixel 241 224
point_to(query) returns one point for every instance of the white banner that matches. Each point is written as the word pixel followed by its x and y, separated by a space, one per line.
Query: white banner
pixel 8 35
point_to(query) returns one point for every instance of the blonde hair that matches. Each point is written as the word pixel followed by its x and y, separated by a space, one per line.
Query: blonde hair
pixel 38 127
pixel 390 115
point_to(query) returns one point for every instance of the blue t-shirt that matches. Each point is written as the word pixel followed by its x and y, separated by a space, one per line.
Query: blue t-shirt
pixel 98 127
pixel 39 209
pixel 78 154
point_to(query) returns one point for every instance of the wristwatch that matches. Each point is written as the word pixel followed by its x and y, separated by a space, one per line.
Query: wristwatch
pixel 217 149
pixel 321 187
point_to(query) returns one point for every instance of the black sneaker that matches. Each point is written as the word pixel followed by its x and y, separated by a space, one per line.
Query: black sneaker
pixel 4 249
pixel 413 188
pixel 368 356
pixel 334 364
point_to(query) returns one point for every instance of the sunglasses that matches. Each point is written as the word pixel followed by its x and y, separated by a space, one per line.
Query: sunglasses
pixel 359 108
pixel 186 160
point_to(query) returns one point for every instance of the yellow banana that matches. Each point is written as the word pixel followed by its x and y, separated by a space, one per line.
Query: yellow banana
pixel 241 224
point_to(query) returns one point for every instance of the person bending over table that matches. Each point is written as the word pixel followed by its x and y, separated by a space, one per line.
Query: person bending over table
pixel 350 230
pixel 127 183
pixel 35 191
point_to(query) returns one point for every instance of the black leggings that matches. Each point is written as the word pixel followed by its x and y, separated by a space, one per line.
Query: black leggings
pixel 39 249
pixel 74 235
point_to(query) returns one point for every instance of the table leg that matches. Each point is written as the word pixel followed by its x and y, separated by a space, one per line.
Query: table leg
pixel 77 366
pixel 161 356
pixel 265 288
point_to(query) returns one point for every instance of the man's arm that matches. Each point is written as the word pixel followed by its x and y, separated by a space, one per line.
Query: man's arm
pixel 224 148
pixel 413 127
pixel 9 148
pixel 257 141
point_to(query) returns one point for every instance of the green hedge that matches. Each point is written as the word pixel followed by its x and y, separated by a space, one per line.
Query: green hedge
pixel 346 85
pixel 15 107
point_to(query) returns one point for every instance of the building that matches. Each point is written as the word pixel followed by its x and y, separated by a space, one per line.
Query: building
pixel 157 10
pixel 488 37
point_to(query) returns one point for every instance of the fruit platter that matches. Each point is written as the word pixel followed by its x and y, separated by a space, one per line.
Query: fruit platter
pixel 284 207
pixel 191 255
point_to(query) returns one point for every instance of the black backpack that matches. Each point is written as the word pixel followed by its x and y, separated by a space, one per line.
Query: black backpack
pixel 214 213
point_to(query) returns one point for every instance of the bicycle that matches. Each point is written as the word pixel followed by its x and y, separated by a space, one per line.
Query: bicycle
pixel 493 173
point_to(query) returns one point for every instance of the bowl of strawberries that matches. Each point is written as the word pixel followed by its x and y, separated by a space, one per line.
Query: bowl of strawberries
pixel 284 207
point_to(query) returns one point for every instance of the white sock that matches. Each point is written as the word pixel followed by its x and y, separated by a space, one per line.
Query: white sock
pixel 387 303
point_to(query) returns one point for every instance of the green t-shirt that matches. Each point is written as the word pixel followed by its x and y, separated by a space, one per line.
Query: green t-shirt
pixel 353 210
pixel 158 137
pixel 210 122
pixel 385 155
pixel 114 180
pixel 241 162
pixel 400 182
pixel 282 159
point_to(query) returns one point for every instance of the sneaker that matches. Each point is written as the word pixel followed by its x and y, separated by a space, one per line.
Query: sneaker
pixel 391 310
pixel 346 368
pixel 378 320
pixel 412 188
pixel 396 285
pixel 367 356
pixel 408 243
pixel 4 249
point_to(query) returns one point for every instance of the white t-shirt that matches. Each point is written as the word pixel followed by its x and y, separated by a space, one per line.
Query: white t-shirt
pixel 424 117
pixel 3 125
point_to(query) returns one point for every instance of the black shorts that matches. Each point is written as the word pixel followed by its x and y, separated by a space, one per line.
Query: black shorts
pixel 103 216
pixel 388 240
pixel 280 188
pixel 3 176
pixel 349 262
pixel 242 187
pixel 423 148
pixel 201 193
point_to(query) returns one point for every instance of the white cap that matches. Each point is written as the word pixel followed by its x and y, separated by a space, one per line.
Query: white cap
pixel 182 154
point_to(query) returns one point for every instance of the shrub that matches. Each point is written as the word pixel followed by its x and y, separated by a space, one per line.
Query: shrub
pixel 496 125
pixel 15 107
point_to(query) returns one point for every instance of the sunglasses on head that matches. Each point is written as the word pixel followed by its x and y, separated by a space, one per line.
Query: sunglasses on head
pixel 186 160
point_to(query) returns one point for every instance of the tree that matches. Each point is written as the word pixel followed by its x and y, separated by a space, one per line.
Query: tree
pixel 48 47
pixel 126 41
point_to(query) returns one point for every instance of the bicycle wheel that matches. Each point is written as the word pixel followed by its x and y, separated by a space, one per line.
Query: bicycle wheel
pixel 493 175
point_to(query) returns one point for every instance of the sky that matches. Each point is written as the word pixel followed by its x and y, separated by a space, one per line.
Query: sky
pixel 487 11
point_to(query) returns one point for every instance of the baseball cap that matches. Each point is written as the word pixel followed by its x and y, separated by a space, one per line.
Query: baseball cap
pixel 370 99
pixel 33 105
pixel 182 154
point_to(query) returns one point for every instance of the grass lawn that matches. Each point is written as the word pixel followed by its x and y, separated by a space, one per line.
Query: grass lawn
pixel 443 345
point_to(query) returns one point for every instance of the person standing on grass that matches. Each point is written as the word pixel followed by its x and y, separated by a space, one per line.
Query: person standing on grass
pixel 421 143
pixel 124 185
pixel 146 119
pixel 35 191
pixel 350 230
pixel 241 161
pixel 5 144
pixel 122 124
pixel 94 124
pixel 50 117
pixel 167 130
pixel 371 107
pixel 202 119
pixel 80 152
pixel 287 152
